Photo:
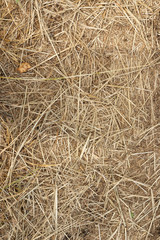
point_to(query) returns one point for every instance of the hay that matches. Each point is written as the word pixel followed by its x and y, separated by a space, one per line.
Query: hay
pixel 80 130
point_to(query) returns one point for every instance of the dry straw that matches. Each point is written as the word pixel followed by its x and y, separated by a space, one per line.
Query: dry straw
pixel 80 127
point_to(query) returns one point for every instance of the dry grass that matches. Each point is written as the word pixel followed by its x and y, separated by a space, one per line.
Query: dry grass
pixel 80 131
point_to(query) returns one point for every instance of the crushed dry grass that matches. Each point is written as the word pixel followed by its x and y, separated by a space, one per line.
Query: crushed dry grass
pixel 80 131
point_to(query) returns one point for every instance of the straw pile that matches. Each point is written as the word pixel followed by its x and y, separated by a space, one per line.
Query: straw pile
pixel 80 127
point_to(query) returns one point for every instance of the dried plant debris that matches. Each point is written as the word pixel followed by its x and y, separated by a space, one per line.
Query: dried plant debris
pixel 24 67
pixel 79 120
